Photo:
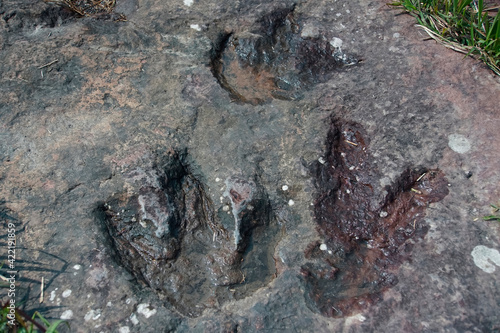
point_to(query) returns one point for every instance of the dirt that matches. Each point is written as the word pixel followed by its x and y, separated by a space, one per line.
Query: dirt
pixel 191 168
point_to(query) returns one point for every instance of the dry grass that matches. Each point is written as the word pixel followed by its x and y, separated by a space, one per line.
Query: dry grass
pixel 87 7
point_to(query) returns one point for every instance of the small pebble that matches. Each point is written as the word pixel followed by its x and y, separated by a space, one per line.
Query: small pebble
pixel 291 202
pixel 284 187
pixel 383 214
pixel 323 247
pixel 321 160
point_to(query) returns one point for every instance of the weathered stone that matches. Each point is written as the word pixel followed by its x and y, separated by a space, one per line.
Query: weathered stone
pixel 118 89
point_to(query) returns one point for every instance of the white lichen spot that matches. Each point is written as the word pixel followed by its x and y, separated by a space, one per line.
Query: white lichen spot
pixel 188 3
pixel 133 319
pixel 353 319
pixel 52 296
pixel 217 179
pixel 394 49
pixel 360 317
pixel 145 310
pixel 323 247
pixel 486 258
pixel 321 160
pixel 459 143
pixel 226 208
pixel 284 187
pixel 66 293
pixel 336 43
pixel 195 27
pixel 383 214
pixel 396 35
pixel 77 267
pixel 109 304
pixel 124 329
pixel 291 202
pixel 66 315
pixel 92 315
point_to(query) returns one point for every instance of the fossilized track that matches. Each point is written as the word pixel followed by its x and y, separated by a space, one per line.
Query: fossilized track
pixel 167 232
pixel 364 241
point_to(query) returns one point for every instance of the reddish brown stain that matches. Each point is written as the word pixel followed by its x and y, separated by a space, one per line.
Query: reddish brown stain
pixel 237 198
pixel 366 241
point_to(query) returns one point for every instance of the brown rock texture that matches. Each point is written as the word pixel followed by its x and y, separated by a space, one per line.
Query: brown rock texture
pixel 93 110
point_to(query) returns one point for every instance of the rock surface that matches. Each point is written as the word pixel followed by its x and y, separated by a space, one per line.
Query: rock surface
pixel 206 129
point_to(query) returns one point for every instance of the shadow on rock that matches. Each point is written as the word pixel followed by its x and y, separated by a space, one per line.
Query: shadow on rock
pixel 364 241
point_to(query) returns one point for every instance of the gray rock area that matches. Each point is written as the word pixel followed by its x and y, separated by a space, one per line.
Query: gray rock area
pixel 249 166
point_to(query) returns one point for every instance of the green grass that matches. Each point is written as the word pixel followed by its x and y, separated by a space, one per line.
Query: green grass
pixel 25 324
pixel 465 26
pixel 493 217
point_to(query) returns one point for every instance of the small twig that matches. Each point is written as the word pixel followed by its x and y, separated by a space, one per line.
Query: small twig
pixel 352 143
pixel 48 64
pixel 416 191
pixel 41 290
pixel 422 176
